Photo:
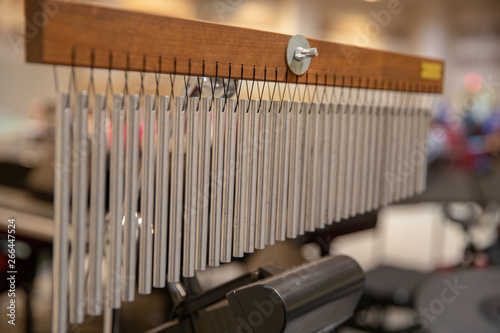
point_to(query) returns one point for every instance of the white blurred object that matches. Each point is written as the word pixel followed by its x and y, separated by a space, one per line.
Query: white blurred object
pixel 407 236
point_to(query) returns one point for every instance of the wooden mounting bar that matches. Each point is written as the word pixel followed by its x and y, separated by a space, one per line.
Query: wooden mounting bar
pixel 64 33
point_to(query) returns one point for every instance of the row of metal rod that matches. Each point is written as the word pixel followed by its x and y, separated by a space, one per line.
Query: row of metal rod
pixel 223 177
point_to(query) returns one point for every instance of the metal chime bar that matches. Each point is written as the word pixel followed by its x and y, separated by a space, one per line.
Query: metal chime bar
pixel 204 181
pixel 79 208
pixel 271 222
pixel 162 190
pixel 176 193
pixel 61 213
pixel 190 201
pixel 147 196
pixel 263 172
pixel 305 137
pixel 216 187
pixel 229 180
pixel 325 160
pixel 97 206
pixel 131 197
pixel 294 175
pixel 116 201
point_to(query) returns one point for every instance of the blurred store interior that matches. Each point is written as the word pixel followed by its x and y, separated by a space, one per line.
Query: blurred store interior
pixel 454 223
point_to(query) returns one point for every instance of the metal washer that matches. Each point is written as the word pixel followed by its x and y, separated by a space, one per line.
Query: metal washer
pixel 297 67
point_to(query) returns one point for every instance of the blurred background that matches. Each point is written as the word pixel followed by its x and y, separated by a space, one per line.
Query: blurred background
pixel 455 223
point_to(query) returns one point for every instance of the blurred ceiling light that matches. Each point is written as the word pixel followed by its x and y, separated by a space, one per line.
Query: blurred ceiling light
pixel 353 29
pixel 371 0
pixel 254 15
pixel 162 7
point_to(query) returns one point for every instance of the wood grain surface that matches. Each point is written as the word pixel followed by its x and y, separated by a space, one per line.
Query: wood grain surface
pixel 79 34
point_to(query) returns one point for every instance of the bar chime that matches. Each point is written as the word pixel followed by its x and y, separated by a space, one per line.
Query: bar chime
pixel 215 177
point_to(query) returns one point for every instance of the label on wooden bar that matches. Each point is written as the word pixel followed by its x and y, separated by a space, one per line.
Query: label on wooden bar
pixel 431 71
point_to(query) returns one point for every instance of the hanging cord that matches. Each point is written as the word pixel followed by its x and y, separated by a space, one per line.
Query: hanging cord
pixel 157 88
pixel 199 81
pixel 427 97
pixel 109 83
pixel 303 95
pixel 306 89
pixel 413 96
pixel 412 102
pixel 157 77
pixel 399 94
pixel 406 95
pixel 421 88
pixel 433 96
pixel 324 89
pixel 391 97
pixel 292 97
pixel 91 86
pixel 172 79
pixel 349 96
pixel 284 91
pixel 353 97
pixel 251 91
pixel 342 98
pixel 56 79
pixel 286 85
pixel 390 94
pixel 377 98
pixel 402 94
pixel 373 105
pixel 322 99
pixel 275 84
pixel 332 96
pixel 380 93
pixel 403 100
pixel 261 95
pixel 421 95
pixel 387 94
pixel 365 99
pixel 358 92
pixel 434 99
pixel 288 89
pixel 186 85
pixel 383 98
pixel 274 88
pixel 356 100
pixel 226 88
pixel 125 85
pixel 72 78
pixel 238 90
pixel 315 91
pixel 142 74
pixel 213 83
